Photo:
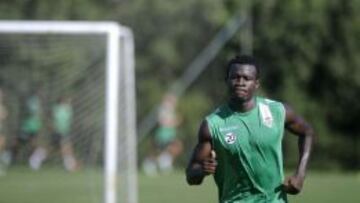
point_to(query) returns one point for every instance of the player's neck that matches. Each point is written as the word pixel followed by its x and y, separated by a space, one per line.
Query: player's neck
pixel 242 106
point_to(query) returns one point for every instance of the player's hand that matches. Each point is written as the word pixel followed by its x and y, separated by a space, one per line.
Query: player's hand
pixel 210 163
pixel 293 184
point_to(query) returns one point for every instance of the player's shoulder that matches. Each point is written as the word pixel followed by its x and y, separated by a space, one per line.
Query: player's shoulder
pixel 218 114
pixel 220 110
pixel 276 108
pixel 271 103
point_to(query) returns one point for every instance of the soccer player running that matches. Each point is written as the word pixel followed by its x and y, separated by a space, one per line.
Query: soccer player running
pixel 240 143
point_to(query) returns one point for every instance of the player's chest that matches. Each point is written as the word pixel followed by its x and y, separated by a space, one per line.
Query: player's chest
pixel 244 134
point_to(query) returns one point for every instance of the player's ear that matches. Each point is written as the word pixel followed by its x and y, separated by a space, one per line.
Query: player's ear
pixel 257 83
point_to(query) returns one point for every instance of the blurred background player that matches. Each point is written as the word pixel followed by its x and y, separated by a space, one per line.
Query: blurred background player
pixel 30 128
pixel 62 117
pixel 4 155
pixel 168 147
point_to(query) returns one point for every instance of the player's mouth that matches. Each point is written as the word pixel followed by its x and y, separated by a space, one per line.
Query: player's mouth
pixel 240 91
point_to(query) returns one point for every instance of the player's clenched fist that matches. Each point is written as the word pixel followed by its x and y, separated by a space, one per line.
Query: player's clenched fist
pixel 210 163
pixel 293 185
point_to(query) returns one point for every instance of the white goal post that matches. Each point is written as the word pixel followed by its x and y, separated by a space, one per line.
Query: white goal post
pixel 117 73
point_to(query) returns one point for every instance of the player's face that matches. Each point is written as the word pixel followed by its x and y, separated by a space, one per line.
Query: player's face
pixel 242 82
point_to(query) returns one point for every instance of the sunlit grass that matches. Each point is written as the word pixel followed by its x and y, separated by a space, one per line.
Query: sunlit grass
pixel 54 185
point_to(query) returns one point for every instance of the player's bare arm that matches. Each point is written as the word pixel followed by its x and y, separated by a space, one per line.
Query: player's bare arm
pixel 299 127
pixel 202 161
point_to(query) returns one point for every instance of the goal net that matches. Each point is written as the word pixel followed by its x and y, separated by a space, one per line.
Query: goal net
pixel 68 90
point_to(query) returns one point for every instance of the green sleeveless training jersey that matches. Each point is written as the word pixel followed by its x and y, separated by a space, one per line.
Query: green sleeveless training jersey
pixel 249 152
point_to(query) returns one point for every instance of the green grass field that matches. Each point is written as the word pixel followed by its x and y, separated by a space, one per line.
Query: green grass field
pixel 21 185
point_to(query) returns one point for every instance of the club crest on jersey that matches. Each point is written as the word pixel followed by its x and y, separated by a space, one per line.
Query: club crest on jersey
pixel 266 115
pixel 230 138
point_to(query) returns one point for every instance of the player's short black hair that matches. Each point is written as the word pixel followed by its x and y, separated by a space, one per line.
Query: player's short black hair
pixel 243 60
